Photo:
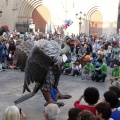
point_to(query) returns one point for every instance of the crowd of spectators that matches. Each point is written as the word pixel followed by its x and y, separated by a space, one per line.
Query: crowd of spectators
pixel 92 109
pixel 90 60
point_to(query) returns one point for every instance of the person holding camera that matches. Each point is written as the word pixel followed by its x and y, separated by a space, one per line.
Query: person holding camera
pixel 13 113
pixel 91 97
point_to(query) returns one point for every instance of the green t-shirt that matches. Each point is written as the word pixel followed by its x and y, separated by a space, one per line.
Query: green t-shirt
pixel 68 65
pixel 103 68
pixel 89 67
pixel 115 72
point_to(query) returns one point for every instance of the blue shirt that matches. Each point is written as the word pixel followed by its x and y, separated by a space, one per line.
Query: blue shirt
pixel 53 93
pixel 115 115
pixel 97 64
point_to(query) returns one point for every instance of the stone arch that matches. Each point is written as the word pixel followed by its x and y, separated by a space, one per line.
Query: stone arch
pixel 93 9
pixel 41 16
pixel 26 11
pixel 98 23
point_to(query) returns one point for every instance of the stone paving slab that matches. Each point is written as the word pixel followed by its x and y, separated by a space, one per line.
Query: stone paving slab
pixel 11 84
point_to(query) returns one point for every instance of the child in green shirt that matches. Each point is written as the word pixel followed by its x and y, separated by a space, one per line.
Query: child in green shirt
pixel 103 69
pixel 115 74
pixel 67 68
pixel 88 70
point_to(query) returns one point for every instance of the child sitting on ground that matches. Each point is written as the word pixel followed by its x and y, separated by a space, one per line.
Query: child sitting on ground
pixel 67 68
pixel 76 69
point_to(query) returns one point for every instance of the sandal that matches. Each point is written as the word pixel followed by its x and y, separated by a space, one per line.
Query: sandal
pixel 60 104
pixel 68 96
pixel 65 97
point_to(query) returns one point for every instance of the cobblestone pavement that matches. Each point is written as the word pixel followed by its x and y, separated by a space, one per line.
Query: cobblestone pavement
pixel 11 84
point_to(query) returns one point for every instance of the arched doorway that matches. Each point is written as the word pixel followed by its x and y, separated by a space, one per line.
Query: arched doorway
pixel 96 22
pixel 41 16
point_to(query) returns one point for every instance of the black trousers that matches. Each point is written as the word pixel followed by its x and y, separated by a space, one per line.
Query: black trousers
pixel 75 72
pixel 97 77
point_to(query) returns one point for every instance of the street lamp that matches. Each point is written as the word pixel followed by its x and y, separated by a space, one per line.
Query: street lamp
pixel 27 24
pixel 1 13
pixel 80 17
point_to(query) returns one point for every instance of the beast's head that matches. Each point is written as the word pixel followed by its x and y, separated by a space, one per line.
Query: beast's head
pixel 72 42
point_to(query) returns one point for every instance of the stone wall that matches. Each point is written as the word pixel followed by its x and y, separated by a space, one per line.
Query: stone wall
pixel 21 11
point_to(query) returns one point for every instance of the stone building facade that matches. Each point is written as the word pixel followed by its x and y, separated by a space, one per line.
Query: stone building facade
pixel 99 16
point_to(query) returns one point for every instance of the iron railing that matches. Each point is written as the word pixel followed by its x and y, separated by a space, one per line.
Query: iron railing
pixel 23 27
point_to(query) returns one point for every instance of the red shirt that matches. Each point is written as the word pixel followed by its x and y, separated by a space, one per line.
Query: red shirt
pixel 85 107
